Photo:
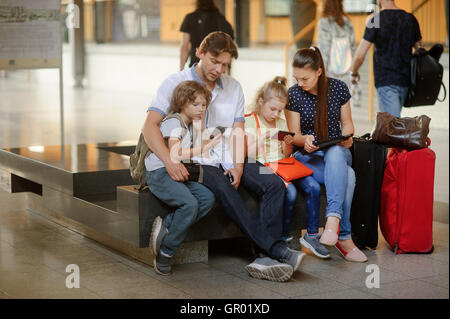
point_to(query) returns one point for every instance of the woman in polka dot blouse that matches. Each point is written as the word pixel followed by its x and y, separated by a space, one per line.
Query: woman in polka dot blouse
pixel 319 109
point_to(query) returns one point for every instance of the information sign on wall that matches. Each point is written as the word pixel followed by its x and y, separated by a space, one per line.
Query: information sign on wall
pixel 30 34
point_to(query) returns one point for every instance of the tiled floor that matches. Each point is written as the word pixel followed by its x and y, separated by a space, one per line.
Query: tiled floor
pixel 34 252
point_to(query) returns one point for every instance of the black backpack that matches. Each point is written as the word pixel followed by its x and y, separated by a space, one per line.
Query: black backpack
pixel 426 78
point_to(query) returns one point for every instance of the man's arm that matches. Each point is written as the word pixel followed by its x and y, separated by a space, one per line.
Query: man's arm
pixel 360 55
pixel 239 153
pixel 155 142
pixel 184 49
pixel 187 153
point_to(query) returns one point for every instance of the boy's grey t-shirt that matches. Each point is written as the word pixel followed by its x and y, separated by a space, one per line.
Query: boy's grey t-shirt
pixel 170 129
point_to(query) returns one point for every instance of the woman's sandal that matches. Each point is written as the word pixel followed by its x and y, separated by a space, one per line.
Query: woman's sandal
pixel 329 237
pixel 354 255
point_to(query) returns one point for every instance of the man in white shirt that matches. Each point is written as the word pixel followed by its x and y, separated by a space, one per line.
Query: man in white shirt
pixel 226 109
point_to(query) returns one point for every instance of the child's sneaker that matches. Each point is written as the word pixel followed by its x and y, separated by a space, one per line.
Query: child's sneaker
pixel 161 264
pixel 313 245
pixel 157 235
pixel 292 257
pixel 287 239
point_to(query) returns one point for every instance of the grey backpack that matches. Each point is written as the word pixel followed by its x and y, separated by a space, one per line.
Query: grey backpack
pixel 137 159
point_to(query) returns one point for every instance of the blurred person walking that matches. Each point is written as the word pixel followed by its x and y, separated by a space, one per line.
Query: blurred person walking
pixel 197 25
pixel 336 40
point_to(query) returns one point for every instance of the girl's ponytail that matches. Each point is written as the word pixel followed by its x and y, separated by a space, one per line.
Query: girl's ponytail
pixel 273 89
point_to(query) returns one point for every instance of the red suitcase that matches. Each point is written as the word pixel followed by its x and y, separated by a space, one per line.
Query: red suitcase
pixel 406 214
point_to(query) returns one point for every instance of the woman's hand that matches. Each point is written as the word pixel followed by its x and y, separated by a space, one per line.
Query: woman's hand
pixel 347 143
pixel 309 146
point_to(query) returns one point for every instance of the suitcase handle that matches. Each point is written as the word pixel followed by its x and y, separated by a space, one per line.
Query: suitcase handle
pixel 395 151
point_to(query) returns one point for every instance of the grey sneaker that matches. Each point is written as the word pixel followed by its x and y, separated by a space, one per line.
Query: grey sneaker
pixel 292 257
pixel 270 269
pixel 314 245
pixel 161 264
pixel 158 233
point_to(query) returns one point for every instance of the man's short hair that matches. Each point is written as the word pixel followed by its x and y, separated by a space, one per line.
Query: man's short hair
pixel 217 43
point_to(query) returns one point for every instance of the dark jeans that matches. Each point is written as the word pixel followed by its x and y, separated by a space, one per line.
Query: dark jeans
pixel 264 228
pixel 312 191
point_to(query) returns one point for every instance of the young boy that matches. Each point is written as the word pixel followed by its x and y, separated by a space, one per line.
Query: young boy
pixel 191 199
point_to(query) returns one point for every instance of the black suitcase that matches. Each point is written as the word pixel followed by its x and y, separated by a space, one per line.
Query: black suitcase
pixel 368 162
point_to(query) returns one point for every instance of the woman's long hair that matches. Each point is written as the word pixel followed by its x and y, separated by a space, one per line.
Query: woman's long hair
pixel 312 58
pixel 334 9
pixel 207 5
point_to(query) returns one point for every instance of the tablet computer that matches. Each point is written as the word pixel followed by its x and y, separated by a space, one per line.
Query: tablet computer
pixel 327 143
pixel 280 135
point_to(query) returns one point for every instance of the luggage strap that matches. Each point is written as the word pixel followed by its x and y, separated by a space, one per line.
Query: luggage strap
pixel 445 92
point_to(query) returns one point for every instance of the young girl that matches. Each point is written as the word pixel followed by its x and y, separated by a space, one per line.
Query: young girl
pixel 319 109
pixel 261 125
pixel 191 200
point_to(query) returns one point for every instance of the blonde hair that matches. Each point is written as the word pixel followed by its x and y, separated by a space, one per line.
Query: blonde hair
pixel 272 89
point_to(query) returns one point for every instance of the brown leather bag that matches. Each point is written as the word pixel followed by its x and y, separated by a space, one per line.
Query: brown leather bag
pixel 409 133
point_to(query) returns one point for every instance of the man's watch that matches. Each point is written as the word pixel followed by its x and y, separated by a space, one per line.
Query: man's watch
pixel 356 74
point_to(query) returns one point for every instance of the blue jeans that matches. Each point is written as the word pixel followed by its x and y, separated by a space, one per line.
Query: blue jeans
pixel 192 201
pixel 312 191
pixel 289 202
pixel 331 167
pixel 263 227
pixel 391 98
